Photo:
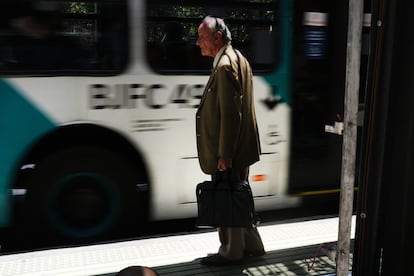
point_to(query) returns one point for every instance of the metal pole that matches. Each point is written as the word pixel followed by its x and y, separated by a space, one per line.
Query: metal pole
pixel 355 16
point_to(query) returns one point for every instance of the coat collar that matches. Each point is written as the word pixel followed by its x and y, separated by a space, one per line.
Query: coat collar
pixel 220 54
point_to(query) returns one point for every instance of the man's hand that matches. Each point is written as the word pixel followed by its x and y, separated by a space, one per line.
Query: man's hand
pixel 223 164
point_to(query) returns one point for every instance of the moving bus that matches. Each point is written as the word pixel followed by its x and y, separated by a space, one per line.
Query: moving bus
pixel 98 99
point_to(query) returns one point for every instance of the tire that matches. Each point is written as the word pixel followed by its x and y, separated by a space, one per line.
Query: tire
pixel 81 193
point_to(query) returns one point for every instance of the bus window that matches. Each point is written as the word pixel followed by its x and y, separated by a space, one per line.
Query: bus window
pixel 172 33
pixel 63 37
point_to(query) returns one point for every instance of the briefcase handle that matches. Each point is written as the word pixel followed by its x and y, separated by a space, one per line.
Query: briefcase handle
pixel 229 175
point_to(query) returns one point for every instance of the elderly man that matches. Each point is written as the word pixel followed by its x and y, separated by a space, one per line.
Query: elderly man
pixel 226 128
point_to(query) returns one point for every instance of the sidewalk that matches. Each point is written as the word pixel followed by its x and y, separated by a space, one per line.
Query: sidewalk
pixel 287 245
pixel 293 261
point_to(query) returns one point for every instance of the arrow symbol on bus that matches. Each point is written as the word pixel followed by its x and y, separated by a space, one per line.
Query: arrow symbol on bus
pixel 271 102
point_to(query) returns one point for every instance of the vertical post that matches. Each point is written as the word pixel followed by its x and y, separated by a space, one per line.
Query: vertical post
pixel 355 16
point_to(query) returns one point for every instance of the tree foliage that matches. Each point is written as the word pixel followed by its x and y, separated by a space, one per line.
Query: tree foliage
pixel 79 7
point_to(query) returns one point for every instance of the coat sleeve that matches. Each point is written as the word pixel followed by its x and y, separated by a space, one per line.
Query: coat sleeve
pixel 229 98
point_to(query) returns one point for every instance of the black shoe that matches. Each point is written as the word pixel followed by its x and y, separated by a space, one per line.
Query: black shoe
pixel 254 253
pixel 218 260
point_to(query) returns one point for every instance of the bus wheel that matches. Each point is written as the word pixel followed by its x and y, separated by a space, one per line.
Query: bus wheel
pixel 81 193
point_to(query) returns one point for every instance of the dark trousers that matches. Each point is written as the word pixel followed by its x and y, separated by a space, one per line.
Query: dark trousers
pixel 236 240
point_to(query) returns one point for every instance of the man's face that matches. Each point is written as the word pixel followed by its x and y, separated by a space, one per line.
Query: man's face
pixel 206 41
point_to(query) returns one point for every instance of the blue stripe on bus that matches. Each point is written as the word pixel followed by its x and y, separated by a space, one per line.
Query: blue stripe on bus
pixel 20 124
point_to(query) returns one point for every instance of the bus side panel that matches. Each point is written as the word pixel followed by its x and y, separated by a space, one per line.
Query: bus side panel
pixel 20 124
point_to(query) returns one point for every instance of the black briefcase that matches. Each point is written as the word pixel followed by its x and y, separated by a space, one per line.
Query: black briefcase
pixel 225 202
